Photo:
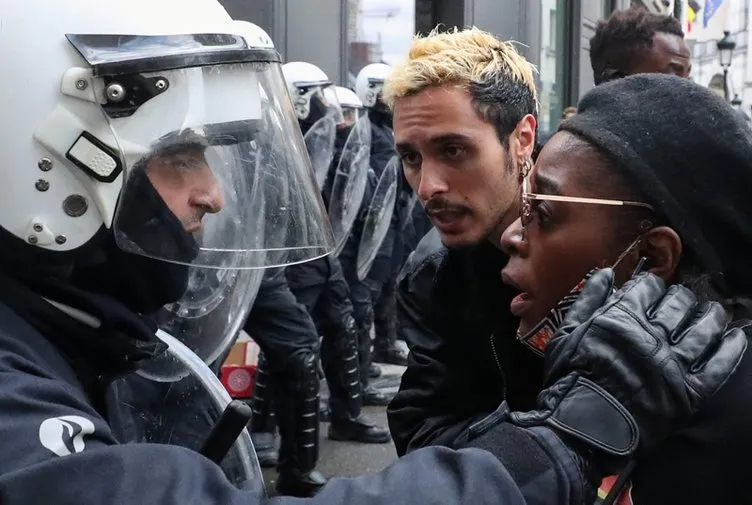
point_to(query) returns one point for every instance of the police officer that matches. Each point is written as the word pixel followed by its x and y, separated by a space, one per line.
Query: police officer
pixel 319 284
pixel 287 385
pixel 139 147
pixel 278 320
pixel 382 277
pixel 356 121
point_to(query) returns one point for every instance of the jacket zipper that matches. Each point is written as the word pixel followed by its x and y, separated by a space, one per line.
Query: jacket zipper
pixel 494 417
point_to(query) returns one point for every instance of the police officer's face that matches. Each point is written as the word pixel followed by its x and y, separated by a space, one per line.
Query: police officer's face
pixel 453 159
pixel 350 117
pixel 187 185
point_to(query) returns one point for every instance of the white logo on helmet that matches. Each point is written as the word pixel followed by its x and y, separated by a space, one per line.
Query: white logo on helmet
pixel 372 94
pixel 64 435
pixel 303 100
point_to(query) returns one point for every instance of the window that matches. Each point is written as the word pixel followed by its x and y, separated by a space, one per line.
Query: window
pixel 552 29
pixel 738 19
pixel 550 88
pixel 378 31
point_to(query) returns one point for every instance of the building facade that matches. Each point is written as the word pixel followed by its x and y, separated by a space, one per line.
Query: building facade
pixel 732 16
pixel 341 36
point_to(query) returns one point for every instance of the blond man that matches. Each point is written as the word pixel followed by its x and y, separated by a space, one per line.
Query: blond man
pixel 465 108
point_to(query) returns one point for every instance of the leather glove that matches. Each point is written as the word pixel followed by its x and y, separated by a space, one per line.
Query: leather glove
pixel 630 366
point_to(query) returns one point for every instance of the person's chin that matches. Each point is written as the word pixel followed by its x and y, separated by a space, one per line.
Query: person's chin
pixel 459 237
pixel 459 240
pixel 529 320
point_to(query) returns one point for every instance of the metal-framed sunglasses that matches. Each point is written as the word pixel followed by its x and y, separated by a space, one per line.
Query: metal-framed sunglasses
pixel 526 199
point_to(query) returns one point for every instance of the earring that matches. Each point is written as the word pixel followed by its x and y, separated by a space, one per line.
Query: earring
pixel 525 166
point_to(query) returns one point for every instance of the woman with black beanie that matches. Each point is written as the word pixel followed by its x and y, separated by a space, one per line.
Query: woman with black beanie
pixel 653 173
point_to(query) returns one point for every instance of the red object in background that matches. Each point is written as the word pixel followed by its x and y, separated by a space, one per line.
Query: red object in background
pixel 238 373
pixel 239 380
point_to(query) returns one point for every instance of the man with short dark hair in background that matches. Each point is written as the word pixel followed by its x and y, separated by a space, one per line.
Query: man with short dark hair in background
pixel 634 41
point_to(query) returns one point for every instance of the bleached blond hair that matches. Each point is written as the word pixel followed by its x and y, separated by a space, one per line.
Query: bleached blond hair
pixel 491 69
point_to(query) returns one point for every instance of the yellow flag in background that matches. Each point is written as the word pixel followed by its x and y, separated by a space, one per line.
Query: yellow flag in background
pixel 693 7
pixel 705 20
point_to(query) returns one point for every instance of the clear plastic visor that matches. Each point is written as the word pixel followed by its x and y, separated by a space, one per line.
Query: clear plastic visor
pixel 349 181
pixel 216 172
pixel 328 97
pixel 320 140
pixel 352 115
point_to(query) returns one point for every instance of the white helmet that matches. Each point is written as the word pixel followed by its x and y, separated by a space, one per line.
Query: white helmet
pixel 119 92
pixel 306 84
pixel 348 98
pixel 352 107
pixel 370 82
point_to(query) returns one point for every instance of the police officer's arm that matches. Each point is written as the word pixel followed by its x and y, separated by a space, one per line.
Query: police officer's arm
pixel 432 406
pixel 623 373
pixel 56 448
pixel 438 475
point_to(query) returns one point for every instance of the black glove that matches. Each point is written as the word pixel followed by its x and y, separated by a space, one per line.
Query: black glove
pixel 629 366
pixel 644 357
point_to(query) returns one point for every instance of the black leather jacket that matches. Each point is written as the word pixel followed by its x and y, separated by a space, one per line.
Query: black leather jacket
pixel 452 303
pixel 454 314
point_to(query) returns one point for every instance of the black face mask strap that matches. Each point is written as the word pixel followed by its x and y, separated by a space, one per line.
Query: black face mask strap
pixel 317 111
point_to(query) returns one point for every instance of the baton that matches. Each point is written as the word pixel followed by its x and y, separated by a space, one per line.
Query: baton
pixel 228 428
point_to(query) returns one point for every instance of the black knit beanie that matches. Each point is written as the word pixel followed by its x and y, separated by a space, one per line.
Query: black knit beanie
pixel 690 154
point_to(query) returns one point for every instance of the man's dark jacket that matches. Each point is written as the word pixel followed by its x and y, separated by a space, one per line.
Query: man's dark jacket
pixel 451 305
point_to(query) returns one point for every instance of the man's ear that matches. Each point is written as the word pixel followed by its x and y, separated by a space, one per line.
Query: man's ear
pixel 663 248
pixel 522 139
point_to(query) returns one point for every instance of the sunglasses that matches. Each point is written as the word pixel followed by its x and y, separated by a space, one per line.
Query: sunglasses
pixel 527 198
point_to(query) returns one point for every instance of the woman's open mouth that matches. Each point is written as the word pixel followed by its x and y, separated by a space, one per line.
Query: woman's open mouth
pixel 520 303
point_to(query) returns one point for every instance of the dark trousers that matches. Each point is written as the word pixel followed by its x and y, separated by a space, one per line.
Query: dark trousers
pixel 284 330
pixel 320 286
pixel 360 295
pixel 382 282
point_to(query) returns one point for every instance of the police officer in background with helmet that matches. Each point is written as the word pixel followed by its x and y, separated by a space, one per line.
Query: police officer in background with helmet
pixel 352 107
pixel 360 294
pixel 286 391
pixel 382 276
pixel 148 141
pixel 319 284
